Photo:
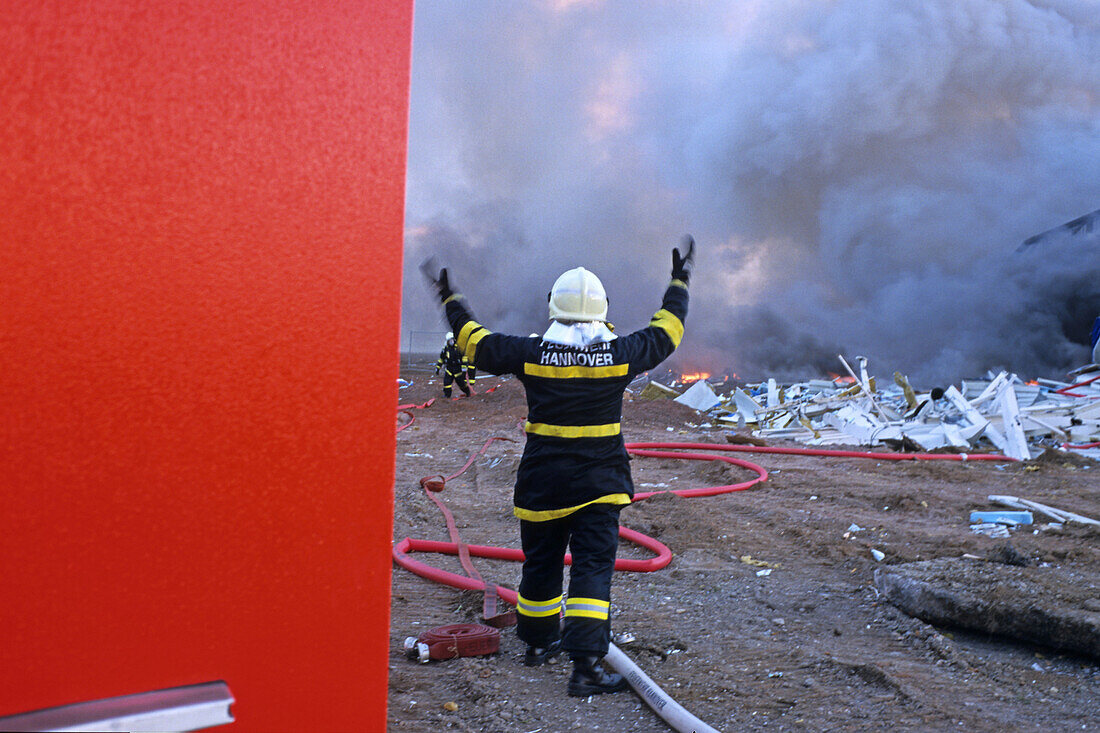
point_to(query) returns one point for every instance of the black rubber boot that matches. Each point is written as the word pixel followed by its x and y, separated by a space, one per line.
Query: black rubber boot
pixel 538 656
pixel 590 678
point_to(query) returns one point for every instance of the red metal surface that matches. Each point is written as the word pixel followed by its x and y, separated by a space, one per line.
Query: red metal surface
pixel 198 335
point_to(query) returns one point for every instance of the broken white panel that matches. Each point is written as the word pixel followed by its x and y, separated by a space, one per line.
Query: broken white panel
pixel 1034 426
pixel 782 421
pixel 820 385
pixel 954 435
pixel 827 436
pixel 1016 443
pixel 889 413
pixel 794 433
pixel 773 394
pixel 864 380
pixel 975 418
pixel 1086 433
pixel 1052 383
pixel 971 388
pixel 928 437
pixel 699 396
pixel 746 406
pixel 855 423
pixel 992 389
pixel 1026 394
pixel 970 433
pixel 1057 415
pixel 1090 411
pixel 991 529
pixel 886 432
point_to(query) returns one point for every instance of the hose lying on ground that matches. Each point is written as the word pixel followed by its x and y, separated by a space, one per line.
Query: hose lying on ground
pixel 670 711
pixel 404 410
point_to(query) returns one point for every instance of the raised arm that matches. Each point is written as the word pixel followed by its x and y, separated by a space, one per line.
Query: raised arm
pixel 499 354
pixel 654 344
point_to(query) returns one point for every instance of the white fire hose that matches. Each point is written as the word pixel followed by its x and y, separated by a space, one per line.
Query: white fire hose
pixel 670 711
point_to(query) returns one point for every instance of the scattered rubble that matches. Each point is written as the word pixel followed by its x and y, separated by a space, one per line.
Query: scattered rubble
pixel 1001 413
pixel 1059 515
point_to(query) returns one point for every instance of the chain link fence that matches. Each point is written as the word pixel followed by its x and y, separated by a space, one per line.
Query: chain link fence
pixel 422 347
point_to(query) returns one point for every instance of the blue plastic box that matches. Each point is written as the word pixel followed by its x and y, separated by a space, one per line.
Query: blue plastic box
pixel 999 517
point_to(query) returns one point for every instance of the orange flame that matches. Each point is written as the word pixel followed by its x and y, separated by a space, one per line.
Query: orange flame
pixel 693 377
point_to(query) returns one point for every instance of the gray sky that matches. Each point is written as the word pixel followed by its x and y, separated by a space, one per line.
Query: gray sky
pixel 858 174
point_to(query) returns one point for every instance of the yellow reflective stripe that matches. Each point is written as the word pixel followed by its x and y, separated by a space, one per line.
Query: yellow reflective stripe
pixel 456 296
pixel 464 334
pixel 587 608
pixel 575 372
pixel 670 324
pixel 540 604
pixel 475 339
pixel 679 283
pixel 547 514
pixel 538 614
pixel 538 609
pixel 573 431
pixel 587 614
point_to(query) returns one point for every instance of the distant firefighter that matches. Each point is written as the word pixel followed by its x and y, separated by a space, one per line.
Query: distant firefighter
pixel 454 365
pixel 574 475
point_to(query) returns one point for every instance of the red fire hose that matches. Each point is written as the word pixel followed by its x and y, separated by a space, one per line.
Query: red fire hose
pixel 1066 390
pixel 403 549
pixel 453 640
pixel 431 485
pixel 404 410
pixel 663 556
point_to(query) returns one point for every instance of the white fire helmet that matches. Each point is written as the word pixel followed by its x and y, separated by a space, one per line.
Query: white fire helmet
pixel 578 295
pixel 450 336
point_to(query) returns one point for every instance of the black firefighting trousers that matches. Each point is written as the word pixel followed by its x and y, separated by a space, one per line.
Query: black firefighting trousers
pixel 592 536
pixel 449 379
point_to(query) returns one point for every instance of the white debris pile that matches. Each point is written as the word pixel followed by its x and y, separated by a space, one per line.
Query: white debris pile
pixel 1001 413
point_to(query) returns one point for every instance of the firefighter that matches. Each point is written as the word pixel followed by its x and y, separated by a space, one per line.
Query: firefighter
pixel 574 476
pixel 453 363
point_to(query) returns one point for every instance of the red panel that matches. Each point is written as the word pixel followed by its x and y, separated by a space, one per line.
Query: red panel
pixel 201 241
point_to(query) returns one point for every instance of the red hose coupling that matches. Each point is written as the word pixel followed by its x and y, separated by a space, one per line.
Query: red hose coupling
pixel 453 640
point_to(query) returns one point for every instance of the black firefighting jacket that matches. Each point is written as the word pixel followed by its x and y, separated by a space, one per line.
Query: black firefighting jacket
pixel 575 453
pixel 452 359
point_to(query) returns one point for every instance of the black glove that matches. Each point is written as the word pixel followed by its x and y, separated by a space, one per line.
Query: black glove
pixel 682 264
pixel 443 286
pixel 440 283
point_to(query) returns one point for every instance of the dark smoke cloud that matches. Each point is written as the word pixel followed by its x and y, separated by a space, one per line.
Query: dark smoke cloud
pixel 859 174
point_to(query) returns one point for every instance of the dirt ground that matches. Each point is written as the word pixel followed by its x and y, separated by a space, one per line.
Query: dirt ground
pixel 810 646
